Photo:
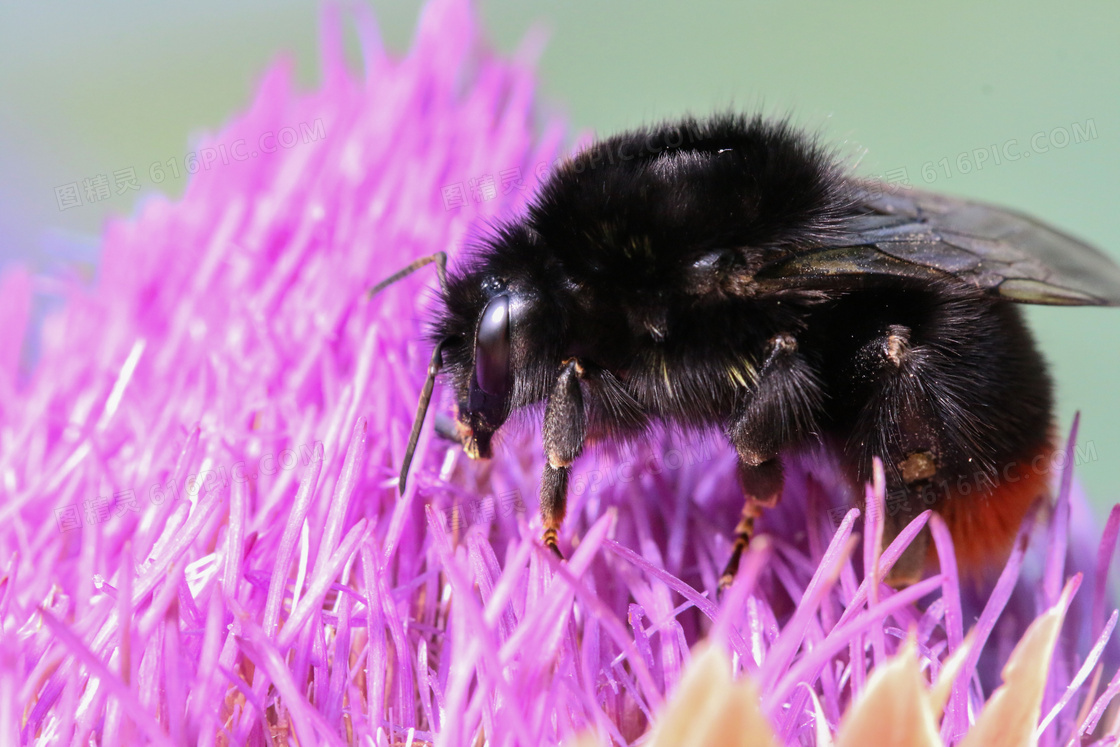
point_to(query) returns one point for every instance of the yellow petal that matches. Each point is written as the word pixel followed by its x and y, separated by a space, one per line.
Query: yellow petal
pixel 1011 714
pixel 894 709
pixel 710 708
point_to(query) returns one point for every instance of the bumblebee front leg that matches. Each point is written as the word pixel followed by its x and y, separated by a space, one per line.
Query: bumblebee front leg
pixel 780 411
pixel 565 426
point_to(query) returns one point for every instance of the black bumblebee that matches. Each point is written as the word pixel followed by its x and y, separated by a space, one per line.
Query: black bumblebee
pixel 729 273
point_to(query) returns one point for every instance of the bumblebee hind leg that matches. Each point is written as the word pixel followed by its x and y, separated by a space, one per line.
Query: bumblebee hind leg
pixel 900 423
pixel 956 402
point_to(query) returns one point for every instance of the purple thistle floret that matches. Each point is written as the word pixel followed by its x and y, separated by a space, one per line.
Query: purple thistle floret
pixel 202 541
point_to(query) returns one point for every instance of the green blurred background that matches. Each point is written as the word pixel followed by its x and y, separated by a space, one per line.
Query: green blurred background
pixel 910 91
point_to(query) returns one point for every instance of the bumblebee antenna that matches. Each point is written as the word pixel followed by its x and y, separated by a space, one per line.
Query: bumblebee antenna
pixel 440 258
pixel 421 412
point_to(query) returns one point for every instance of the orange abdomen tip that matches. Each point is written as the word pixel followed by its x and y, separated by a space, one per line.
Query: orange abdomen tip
pixel 984 523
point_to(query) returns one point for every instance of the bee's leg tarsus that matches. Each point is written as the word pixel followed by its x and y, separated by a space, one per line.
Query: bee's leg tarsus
pixel 565 427
pixel 762 485
pixel 549 539
pixel 744 531
pixel 554 497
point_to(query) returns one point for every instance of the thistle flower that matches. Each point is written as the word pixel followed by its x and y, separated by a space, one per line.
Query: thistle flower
pixel 203 543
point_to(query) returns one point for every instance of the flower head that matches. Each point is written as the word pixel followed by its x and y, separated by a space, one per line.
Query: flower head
pixel 203 540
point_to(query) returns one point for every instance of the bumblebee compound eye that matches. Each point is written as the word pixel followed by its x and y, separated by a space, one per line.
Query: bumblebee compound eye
pixel 491 351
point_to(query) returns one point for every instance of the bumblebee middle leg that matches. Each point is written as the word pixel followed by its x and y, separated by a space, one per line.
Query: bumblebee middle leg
pixel 781 410
pixel 565 427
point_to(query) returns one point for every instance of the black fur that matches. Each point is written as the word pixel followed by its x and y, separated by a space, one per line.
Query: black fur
pixel 637 259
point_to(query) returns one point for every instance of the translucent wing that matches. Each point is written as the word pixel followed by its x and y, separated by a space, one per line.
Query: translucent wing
pixel 917 234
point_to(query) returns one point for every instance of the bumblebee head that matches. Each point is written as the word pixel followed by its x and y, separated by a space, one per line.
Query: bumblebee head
pixel 500 332
pixel 473 338
pixel 484 394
